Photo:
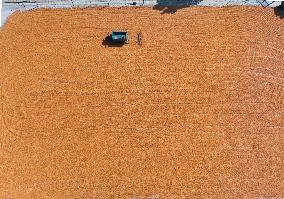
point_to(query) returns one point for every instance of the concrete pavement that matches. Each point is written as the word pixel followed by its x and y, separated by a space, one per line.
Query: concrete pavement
pixel 10 6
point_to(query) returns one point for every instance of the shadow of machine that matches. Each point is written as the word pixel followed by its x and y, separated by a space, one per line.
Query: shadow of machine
pixel 172 6
pixel 107 42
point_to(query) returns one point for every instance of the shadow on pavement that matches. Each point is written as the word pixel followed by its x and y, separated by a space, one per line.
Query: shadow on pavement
pixel 279 11
pixel 172 6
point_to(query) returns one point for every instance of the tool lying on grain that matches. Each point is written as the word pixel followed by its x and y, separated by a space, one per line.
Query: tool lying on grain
pixel 117 38
pixel 139 38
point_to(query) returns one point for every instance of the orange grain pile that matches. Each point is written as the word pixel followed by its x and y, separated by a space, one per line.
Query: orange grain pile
pixel 195 112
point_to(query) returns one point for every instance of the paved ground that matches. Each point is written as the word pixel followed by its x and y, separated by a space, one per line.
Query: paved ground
pixel 10 6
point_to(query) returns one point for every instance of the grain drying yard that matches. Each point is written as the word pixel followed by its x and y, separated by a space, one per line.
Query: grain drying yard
pixel 196 111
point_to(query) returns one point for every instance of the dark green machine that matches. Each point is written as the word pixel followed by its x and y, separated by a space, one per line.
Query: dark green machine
pixel 119 36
